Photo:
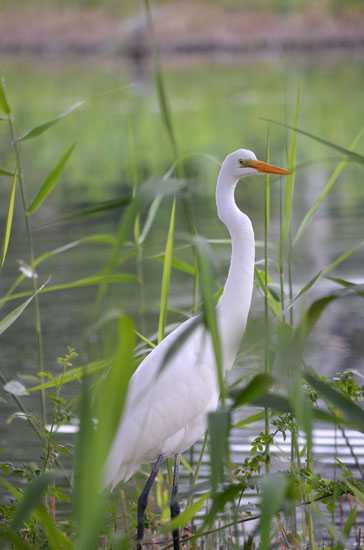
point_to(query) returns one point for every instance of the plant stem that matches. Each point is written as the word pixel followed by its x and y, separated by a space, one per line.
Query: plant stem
pixel 38 323
pixel 308 514
pixel 267 366
pixel 281 250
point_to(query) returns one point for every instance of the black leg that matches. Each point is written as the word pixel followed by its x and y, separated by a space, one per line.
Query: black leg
pixel 143 501
pixel 175 509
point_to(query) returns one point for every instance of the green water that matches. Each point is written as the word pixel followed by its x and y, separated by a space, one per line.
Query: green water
pixel 120 139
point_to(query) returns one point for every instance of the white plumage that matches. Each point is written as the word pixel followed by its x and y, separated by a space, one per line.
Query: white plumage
pixel 166 409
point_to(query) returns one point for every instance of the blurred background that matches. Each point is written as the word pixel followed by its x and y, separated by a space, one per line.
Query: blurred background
pixel 227 66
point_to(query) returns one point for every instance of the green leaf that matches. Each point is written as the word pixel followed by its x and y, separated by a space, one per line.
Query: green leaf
pixel 209 307
pixel 182 337
pixel 326 190
pixel 219 502
pixel 72 375
pixel 11 317
pixel 350 522
pixel 356 157
pixel 125 224
pixel 258 386
pixel 289 181
pixel 273 303
pixel 351 411
pixel 38 130
pixel 323 272
pixel 32 497
pixel 79 283
pixel 314 312
pixel 98 238
pixel 99 208
pixel 4 105
pixel 7 535
pixel 9 221
pixel 160 86
pixel 218 429
pixel 186 516
pixel 167 266
pixel 4 172
pixel 115 386
pixel 342 282
pixel 179 265
pixel 93 443
pixel 273 492
pixel 152 212
pixel 56 539
pixel 356 492
pixel 281 404
pixel 51 181
pixel 249 420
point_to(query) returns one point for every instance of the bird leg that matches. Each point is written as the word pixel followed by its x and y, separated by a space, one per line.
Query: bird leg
pixel 143 501
pixel 174 504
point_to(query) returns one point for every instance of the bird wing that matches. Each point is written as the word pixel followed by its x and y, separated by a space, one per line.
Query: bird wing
pixel 163 399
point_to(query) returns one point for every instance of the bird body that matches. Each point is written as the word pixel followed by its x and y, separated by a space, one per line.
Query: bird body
pixel 167 405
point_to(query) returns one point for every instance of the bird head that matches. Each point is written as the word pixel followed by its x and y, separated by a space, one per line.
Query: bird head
pixel 243 163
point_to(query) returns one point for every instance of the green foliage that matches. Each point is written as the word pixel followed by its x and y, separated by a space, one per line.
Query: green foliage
pixel 284 392
pixel 51 181
pixel 9 221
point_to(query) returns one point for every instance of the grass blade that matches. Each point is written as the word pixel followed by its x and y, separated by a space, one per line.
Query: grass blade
pixel 356 157
pixel 251 419
pixel 32 498
pixel 273 303
pixel 79 283
pixel 93 443
pixel 179 265
pixel 7 535
pixel 274 490
pixel 114 389
pixel 72 375
pixel 4 172
pixel 186 516
pixel 351 411
pixel 314 312
pixel 281 404
pixel 9 221
pixel 258 386
pixel 39 130
pixel 167 267
pixel 51 181
pixel 325 271
pixel 56 538
pixel 98 208
pixel 152 212
pixel 326 190
pixel 180 340
pixel 99 238
pixel 11 317
pixel 218 428
pixel 290 180
pixel 4 104
pixel 209 308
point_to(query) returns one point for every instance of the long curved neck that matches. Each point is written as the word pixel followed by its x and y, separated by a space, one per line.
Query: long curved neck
pixel 234 304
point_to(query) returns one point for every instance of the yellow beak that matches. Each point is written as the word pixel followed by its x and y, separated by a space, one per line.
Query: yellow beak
pixel 267 168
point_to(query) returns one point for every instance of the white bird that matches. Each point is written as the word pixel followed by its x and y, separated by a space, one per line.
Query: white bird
pixel 166 409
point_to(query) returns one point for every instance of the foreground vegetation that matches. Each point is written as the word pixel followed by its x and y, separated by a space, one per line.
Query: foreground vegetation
pixel 43 505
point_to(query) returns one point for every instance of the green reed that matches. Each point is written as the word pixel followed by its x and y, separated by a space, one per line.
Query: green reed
pixel 295 396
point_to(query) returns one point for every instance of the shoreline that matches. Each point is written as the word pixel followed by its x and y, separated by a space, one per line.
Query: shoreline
pixel 181 35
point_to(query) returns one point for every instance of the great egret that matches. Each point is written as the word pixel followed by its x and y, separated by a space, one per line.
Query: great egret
pixel 166 409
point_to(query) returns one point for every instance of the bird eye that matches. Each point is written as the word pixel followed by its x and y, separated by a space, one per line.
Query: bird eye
pixel 244 163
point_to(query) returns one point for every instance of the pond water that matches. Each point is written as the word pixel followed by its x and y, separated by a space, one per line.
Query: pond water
pixel 120 136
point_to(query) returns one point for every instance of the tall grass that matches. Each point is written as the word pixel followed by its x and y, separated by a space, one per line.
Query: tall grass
pixel 288 395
